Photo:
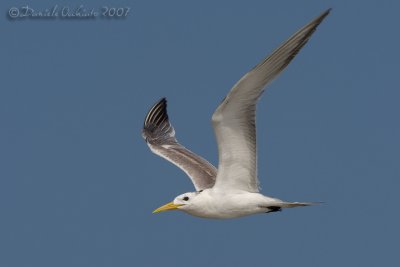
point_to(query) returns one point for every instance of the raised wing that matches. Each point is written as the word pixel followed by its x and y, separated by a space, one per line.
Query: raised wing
pixel 160 137
pixel 234 119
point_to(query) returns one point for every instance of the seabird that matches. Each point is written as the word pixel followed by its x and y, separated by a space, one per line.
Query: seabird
pixel 232 190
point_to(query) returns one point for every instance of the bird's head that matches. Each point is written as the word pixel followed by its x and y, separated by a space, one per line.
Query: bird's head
pixel 181 202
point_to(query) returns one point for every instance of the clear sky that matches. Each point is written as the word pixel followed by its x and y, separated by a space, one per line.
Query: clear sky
pixel 78 184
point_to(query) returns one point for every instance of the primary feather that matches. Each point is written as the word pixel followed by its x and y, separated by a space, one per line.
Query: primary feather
pixel 160 137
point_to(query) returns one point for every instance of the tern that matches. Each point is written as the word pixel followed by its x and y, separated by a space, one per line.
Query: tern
pixel 233 190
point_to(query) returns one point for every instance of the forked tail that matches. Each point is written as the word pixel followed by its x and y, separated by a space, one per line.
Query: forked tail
pixel 298 204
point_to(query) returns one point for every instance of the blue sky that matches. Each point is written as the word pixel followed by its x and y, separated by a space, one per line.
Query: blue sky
pixel 78 184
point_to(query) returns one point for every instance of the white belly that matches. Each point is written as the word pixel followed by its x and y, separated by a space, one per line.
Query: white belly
pixel 219 205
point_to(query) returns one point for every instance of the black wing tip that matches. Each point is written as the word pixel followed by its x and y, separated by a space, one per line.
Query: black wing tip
pixel 315 23
pixel 326 12
pixel 311 28
pixel 157 114
pixel 321 17
pixel 162 100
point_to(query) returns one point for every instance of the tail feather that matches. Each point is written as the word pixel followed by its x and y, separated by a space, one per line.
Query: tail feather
pixel 297 204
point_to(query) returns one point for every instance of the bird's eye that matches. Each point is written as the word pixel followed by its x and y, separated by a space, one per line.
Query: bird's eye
pixel 186 198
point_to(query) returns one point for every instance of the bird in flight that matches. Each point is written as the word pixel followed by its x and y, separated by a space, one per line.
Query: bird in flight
pixel 232 190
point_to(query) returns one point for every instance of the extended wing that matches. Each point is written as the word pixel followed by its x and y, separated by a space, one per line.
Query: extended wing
pixel 234 119
pixel 160 137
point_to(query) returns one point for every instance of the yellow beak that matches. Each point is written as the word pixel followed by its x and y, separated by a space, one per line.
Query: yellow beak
pixel 168 206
